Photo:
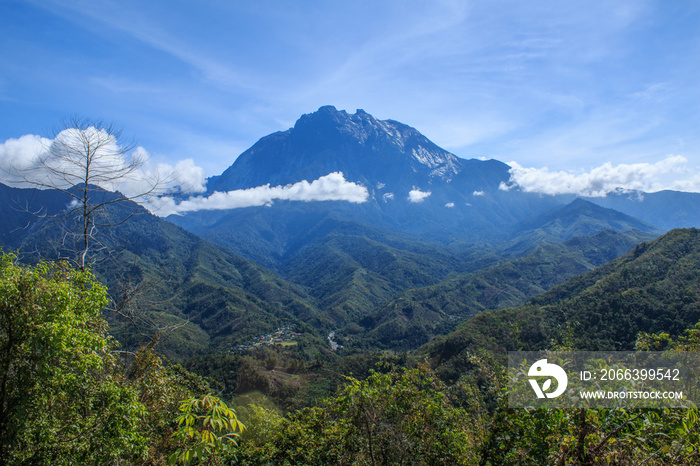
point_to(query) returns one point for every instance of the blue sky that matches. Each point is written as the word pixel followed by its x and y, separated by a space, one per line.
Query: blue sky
pixel 561 88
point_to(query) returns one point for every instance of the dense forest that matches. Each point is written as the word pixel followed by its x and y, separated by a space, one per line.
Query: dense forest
pixel 72 395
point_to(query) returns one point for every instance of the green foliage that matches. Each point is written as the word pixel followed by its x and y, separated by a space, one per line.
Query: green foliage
pixel 67 398
pixel 401 417
pixel 580 436
pixel 161 389
pixel 207 431
pixel 592 437
pixel 61 400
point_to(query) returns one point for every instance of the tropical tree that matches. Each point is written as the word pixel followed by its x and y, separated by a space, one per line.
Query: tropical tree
pixel 208 431
pixel 60 398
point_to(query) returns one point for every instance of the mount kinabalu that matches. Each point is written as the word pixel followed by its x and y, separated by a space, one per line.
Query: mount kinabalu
pixel 389 158
pixel 453 199
pixel 386 156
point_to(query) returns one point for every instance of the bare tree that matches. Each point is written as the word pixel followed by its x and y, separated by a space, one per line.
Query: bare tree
pixel 86 160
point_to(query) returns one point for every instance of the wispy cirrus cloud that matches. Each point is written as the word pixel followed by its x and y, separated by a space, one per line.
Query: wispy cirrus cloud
pixel 670 173
pixel 331 187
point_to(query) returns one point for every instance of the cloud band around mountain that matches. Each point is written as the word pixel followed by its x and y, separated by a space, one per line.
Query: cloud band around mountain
pixel 331 187
pixel 669 173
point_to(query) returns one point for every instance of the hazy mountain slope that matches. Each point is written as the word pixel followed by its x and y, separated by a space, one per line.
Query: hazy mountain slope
pixel 578 218
pixel 666 209
pixel 354 271
pixel 352 275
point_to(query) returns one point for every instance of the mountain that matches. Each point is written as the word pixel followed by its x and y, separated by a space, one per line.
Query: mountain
pixel 653 288
pixel 578 218
pixel 365 149
pixel 212 298
pixel 415 190
pixel 452 197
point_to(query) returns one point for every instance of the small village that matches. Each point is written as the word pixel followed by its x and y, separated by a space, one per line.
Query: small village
pixel 334 344
pixel 281 336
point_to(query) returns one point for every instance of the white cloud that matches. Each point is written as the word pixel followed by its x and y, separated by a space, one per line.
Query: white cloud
pixel 19 165
pixel 19 154
pixel 416 195
pixel 507 187
pixel 647 177
pixel 332 187
pixel 47 163
pixel 478 193
pixel 690 184
pixel 190 176
pixel 388 197
pixel 450 204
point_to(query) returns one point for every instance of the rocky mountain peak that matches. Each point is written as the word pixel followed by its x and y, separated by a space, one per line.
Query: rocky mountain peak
pixel 362 129
pixel 367 150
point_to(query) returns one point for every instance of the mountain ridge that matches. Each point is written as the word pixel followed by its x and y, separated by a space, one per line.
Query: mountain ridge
pixel 653 288
pixel 406 174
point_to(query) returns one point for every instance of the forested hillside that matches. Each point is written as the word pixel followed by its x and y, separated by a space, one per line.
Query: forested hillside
pixel 200 297
pixel 655 288
pixel 419 314
pixel 389 411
